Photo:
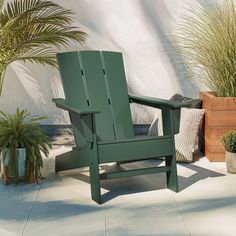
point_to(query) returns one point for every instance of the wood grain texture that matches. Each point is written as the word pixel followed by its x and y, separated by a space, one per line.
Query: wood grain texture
pixel 220 117
pixel 218 103
pixel 214 147
pixel 215 157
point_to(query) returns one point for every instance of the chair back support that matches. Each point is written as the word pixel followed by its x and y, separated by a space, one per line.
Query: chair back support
pixel 94 79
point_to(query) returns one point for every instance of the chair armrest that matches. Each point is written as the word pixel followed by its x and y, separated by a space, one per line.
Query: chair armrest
pixel 157 102
pixel 62 103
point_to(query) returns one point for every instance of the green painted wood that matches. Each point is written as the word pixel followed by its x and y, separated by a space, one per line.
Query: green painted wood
pixel 94 82
pixel 146 149
pixel 75 90
pixel 71 76
pixel 136 139
pixel 158 102
pixel 94 173
pixel 70 106
pixel 118 93
pixel 171 120
pixel 166 120
pixel 73 159
pixel 134 172
pixel 176 120
pixel 97 93
pixel 81 121
pixel 171 176
pixel 166 106
pixel 82 129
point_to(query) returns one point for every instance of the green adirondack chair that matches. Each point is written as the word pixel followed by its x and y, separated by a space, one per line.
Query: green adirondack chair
pixel 97 100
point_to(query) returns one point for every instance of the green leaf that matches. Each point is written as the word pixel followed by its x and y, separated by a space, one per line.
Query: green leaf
pixel 34 30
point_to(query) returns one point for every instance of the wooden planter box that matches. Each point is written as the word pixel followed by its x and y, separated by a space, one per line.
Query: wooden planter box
pixel 220 116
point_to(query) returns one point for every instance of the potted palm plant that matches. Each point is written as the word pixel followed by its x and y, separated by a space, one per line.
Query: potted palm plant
pixel 34 30
pixel 22 142
pixel 229 141
pixel 207 39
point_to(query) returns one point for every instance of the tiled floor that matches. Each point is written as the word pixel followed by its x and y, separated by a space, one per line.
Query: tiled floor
pixel 61 204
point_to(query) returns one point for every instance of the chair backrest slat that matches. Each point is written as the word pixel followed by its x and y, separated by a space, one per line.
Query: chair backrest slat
pixel 118 92
pixel 71 77
pixel 97 93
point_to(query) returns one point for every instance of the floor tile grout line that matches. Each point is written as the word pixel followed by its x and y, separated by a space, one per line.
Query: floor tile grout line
pixel 182 217
pixel 105 221
pixel 31 209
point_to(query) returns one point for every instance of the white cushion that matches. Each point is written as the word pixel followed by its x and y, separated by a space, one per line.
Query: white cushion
pixel 155 128
pixel 190 120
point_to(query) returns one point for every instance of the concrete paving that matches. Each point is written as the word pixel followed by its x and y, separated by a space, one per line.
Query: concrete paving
pixel 141 206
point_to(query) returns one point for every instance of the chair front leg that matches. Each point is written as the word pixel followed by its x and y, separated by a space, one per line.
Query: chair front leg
pixel 171 176
pixel 94 173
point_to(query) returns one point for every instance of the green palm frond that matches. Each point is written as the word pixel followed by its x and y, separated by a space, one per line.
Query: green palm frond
pixel 1 4
pixel 40 60
pixel 33 30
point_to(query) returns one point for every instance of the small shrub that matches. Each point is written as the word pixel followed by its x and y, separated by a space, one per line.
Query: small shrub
pixel 229 141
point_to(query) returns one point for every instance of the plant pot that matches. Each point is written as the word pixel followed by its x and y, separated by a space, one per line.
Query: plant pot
pixel 230 159
pixel 7 172
pixel 220 117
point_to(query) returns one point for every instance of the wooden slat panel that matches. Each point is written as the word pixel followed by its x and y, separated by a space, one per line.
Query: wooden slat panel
pixel 218 103
pixel 214 142
pixel 129 173
pixel 82 129
pixel 213 139
pixel 75 92
pixel 216 132
pixel 136 139
pixel 217 148
pixel 215 156
pixel 135 150
pixel 71 77
pixel 116 81
pixel 94 77
pixel 221 118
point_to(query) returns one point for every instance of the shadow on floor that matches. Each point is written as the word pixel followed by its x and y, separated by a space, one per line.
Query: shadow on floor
pixel 200 173
pixel 18 203
pixel 143 183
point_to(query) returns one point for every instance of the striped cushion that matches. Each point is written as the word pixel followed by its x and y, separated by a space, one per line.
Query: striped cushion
pixel 190 120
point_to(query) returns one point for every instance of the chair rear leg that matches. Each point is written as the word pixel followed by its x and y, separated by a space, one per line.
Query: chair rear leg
pixel 171 176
